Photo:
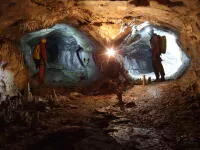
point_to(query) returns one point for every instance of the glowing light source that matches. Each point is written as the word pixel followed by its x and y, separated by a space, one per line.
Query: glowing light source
pixel 110 52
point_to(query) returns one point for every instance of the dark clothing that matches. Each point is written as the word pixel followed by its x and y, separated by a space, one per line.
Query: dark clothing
pixel 37 63
pixel 113 69
pixel 158 68
pixel 156 60
pixel 155 47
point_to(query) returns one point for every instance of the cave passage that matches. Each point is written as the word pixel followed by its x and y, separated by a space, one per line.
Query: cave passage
pixel 69 54
pixel 70 58
pixel 137 54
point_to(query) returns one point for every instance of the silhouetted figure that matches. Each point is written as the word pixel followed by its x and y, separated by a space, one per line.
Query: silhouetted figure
pixel 113 70
pixel 43 60
pixel 156 60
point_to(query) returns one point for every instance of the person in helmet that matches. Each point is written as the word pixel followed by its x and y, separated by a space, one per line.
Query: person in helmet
pixel 43 60
pixel 117 76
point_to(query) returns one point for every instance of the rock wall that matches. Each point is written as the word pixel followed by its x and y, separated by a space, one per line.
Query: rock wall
pixel 13 71
pixel 102 20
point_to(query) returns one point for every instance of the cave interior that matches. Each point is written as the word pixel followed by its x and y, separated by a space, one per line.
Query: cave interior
pixel 100 90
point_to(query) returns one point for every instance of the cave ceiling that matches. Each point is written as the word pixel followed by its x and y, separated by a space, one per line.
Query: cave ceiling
pixel 101 19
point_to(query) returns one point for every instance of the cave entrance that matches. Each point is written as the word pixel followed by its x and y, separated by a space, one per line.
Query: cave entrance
pixel 137 53
pixel 69 55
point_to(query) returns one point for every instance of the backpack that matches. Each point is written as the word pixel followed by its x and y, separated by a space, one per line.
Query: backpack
pixel 163 44
pixel 36 52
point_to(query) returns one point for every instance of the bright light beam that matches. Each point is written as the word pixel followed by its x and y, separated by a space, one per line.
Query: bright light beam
pixel 110 52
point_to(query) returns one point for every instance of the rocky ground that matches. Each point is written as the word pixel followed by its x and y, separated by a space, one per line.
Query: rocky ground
pixel 158 116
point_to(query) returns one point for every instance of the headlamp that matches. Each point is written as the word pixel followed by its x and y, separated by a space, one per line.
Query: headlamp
pixel 110 52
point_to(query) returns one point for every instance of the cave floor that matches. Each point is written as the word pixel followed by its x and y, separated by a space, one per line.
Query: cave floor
pixel 153 117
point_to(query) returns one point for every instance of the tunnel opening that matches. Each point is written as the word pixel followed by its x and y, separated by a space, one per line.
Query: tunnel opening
pixel 138 56
pixel 69 55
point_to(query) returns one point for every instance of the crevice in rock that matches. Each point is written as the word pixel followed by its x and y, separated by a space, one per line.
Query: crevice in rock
pixel 140 2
